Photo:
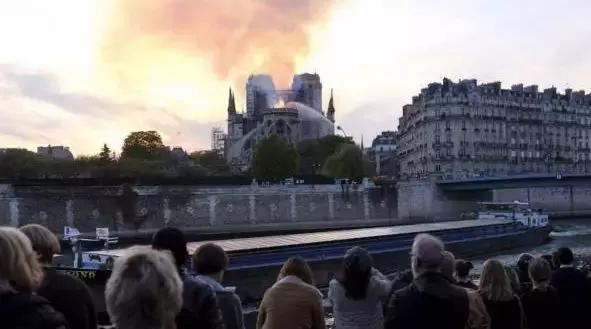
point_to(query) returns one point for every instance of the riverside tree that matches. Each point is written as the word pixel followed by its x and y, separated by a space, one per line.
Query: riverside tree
pixel 146 145
pixel 348 162
pixel 274 159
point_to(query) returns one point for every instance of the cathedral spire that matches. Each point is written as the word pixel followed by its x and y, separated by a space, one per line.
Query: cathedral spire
pixel 331 110
pixel 231 103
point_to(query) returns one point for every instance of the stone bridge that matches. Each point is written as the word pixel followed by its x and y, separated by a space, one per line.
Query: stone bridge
pixel 558 195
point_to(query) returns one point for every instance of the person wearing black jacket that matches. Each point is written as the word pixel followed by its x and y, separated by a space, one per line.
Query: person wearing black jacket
pixel 571 286
pixel 200 307
pixel 67 294
pixel 20 276
pixel 431 300
pixel 540 304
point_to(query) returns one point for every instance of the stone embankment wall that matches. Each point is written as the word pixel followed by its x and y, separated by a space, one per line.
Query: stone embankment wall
pixel 143 208
pixel 423 200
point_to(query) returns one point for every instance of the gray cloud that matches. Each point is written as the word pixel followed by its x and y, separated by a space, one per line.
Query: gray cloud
pixel 92 115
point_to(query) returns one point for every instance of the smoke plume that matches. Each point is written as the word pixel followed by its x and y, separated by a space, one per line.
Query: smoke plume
pixel 232 38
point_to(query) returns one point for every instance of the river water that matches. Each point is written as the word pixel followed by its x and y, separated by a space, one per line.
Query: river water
pixel 572 233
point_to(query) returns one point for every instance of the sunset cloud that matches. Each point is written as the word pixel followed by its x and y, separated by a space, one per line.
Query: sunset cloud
pixel 82 73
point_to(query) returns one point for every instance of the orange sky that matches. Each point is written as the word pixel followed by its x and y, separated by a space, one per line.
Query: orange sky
pixel 86 72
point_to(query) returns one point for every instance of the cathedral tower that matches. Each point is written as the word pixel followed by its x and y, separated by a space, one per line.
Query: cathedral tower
pixel 330 111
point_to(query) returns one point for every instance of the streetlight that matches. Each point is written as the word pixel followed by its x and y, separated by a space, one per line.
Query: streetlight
pixel 343 130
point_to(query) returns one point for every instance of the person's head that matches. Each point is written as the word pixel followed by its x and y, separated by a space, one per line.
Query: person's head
pixel 426 254
pixel 356 272
pixel 523 262
pixel 173 240
pixel 447 265
pixel 564 256
pixel 513 279
pixel 297 266
pixel 494 282
pixel 44 242
pixel 211 260
pixel 144 290
pixel 463 268
pixel 20 269
pixel 540 272
pixel 550 259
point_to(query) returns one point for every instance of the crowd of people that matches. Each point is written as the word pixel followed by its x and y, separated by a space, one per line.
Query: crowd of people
pixel 163 287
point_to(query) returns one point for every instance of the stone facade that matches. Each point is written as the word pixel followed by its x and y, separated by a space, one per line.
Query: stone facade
pixel 382 154
pixel 462 130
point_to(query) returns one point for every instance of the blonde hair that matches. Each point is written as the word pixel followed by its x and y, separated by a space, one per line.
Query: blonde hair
pixel 494 282
pixel 44 242
pixel 19 268
pixel 144 290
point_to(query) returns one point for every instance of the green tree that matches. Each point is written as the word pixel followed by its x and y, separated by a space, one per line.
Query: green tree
pixel 20 163
pixel 274 159
pixel 348 162
pixel 144 145
pixel 211 161
pixel 105 156
pixel 313 153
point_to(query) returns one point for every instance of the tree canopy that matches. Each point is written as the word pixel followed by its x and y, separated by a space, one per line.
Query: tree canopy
pixel 211 161
pixel 274 159
pixel 313 153
pixel 348 162
pixel 144 145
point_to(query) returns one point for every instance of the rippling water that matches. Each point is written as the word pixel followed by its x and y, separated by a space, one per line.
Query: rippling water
pixel 572 233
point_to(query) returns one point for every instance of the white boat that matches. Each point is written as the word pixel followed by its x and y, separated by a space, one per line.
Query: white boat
pixel 517 211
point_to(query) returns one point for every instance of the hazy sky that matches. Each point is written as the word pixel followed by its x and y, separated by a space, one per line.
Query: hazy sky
pixel 85 72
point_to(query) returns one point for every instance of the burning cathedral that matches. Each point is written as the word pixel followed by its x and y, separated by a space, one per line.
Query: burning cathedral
pixel 295 115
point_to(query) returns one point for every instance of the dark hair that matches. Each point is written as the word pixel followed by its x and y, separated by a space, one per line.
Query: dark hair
pixel 463 268
pixel 550 260
pixel 298 267
pixel 172 239
pixel 355 279
pixel 539 270
pixel 209 259
pixel 565 256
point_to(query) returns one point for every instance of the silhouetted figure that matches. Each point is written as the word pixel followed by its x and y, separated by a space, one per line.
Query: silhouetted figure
pixel 571 287
pixel 477 316
pixel 540 305
pixel 210 262
pixel 513 279
pixel 402 280
pixel 550 259
pixel 525 284
pixel 462 271
pixel 358 292
pixel 292 302
pixel 20 276
pixel 200 307
pixel 502 304
pixel 431 300
pixel 67 294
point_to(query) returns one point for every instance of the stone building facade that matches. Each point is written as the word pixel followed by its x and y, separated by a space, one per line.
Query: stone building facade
pixel 463 130
pixel 383 154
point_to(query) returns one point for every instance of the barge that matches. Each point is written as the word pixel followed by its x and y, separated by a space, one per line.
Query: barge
pixel 255 262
